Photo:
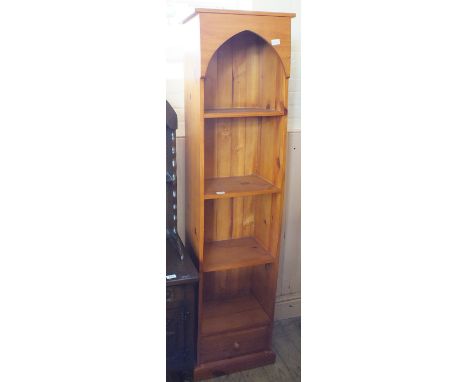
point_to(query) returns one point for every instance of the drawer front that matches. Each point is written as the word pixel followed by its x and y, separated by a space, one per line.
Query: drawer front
pixel 174 296
pixel 233 344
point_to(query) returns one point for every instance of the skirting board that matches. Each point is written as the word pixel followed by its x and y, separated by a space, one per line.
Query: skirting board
pixel 288 306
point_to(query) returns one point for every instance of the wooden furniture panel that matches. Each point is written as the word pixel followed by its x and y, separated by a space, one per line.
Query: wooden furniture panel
pixel 231 365
pixel 237 313
pixel 233 344
pixel 252 136
pixel 248 217
pixel 244 76
pixel 242 217
pixel 235 186
pixel 217 27
pixel 227 284
pixel 271 158
pixel 231 147
pixel 235 253
pixel 240 112
pixel 244 147
pixel 237 12
pixel 262 278
pixel 236 111
pixel 223 219
pixel 229 218
pixel 194 159
pixel 263 220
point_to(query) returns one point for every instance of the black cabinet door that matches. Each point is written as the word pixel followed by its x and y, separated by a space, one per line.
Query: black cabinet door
pixel 175 335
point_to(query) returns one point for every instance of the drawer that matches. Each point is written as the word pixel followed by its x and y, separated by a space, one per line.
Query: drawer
pixel 174 296
pixel 233 344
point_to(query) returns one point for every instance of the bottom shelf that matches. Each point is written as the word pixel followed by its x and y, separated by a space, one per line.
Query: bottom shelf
pixel 232 314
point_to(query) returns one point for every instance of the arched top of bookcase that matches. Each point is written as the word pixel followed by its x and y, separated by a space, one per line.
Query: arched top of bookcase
pixel 217 28
pixel 267 45
pixel 245 72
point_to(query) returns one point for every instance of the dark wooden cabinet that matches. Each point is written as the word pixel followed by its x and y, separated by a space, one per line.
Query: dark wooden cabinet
pixel 180 309
pixel 181 275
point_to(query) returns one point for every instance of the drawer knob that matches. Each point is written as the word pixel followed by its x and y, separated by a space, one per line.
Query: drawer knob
pixel 236 345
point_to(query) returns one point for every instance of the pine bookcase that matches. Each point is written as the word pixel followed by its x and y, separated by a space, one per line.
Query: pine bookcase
pixel 237 67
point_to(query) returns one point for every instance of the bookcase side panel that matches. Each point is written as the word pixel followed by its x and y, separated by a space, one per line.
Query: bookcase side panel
pixel 194 152
pixel 194 155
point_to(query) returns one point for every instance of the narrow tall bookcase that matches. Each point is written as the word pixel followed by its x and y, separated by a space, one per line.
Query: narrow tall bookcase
pixel 237 67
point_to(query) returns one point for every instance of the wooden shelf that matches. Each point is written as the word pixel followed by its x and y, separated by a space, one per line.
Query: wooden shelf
pixel 242 112
pixel 236 12
pixel 235 186
pixel 235 253
pixel 232 314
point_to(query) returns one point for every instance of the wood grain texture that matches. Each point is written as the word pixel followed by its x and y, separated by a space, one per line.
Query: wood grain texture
pixel 231 147
pixel 229 218
pixel 231 365
pixel 227 315
pixel 236 141
pixel 263 219
pixel 242 112
pixel 237 12
pixel 227 284
pixel 248 218
pixel 194 157
pixel 246 78
pixel 235 186
pixel 234 253
pixel 194 150
pixel 233 344
pixel 216 28
pixel 263 278
pixel 252 133
pixel 211 85
pixel 210 149
pixel 269 163
pixel 285 331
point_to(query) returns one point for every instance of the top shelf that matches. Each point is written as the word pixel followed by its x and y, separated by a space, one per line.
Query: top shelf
pixel 242 112
pixel 236 12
